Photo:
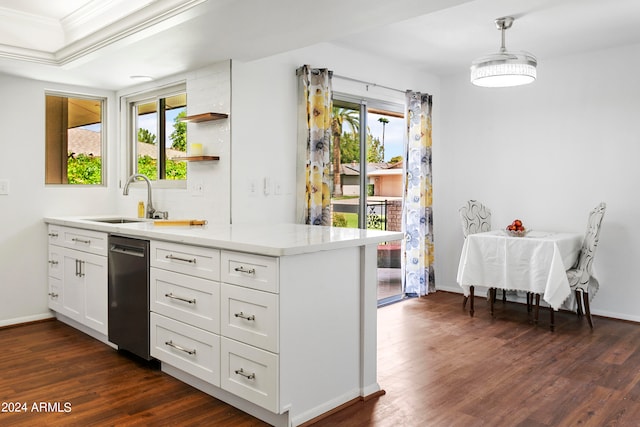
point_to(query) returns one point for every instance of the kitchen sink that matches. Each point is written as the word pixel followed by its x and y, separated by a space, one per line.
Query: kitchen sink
pixel 116 220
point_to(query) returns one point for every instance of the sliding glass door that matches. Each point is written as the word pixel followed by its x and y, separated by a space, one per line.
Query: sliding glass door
pixel 367 165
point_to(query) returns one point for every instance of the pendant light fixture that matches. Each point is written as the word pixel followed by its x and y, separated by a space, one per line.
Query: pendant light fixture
pixel 504 68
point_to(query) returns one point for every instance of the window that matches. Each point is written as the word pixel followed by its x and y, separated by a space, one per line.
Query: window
pixel 74 140
pixel 157 135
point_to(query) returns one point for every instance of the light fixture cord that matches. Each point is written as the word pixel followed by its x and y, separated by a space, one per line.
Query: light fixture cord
pixel 503 48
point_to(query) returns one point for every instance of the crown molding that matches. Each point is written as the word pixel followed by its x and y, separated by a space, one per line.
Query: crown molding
pixel 139 17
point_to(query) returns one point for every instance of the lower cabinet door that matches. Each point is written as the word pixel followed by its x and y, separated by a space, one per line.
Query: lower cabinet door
pixel 186 347
pixel 250 373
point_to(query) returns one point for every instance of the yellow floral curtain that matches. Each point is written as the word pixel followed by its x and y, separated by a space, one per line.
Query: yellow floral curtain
pixel 418 275
pixel 314 138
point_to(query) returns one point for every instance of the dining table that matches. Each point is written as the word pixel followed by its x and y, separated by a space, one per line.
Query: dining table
pixel 535 262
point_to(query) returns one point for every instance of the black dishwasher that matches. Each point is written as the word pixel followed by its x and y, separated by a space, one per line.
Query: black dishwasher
pixel 129 295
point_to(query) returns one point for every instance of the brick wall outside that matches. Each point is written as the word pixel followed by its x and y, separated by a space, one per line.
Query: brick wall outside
pixel 394 215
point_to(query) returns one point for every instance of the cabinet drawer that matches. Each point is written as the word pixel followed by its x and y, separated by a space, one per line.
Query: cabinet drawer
pixel 185 347
pixel 250 373
pixel 249 316
pixel 194 260
pixel 190 299
pixel 55 234
pixel 55 261
pixel 55 293
pixel 253 271
pixel 94 242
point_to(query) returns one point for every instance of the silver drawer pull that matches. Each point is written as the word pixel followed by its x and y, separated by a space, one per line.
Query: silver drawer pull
pixel 241 269
pixel 53 295
pixel 177 347
pixel 175 258
pixel 244 316
pixel 75 239
pixel 172 296
pixel 53 234
pixel 52 262
pixel 244 374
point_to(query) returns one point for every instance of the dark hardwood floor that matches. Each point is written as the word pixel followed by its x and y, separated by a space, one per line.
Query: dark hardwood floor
pixel 439 367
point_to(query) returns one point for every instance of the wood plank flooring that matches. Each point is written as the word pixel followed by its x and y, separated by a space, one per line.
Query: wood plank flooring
pixel 439 367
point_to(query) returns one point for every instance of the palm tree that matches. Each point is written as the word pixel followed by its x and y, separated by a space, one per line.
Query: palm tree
pixel 339 116
pixel 384 122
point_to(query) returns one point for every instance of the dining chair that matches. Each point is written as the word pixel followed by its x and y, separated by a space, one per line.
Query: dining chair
pixel 580 275
pixel 475 218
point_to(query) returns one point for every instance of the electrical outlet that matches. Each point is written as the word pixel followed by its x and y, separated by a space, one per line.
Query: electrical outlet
pixel 4 187
pixel 197 188
pixel 253 188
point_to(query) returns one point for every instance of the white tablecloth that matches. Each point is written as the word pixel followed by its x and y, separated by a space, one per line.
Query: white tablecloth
pixel 535 263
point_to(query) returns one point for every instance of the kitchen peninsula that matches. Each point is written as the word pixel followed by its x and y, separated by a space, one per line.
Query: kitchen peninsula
pixel 277 320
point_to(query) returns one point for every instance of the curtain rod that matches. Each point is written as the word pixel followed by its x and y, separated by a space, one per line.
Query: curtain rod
pixel 368 83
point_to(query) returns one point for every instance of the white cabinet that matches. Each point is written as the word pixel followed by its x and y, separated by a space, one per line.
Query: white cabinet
pixel 286 343
pixel 78 275
pixel 249 327
pixel 278 321
pixel 185 308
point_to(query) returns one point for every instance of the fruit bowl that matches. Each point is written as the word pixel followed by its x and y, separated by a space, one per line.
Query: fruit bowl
pixel 517 233
pixel 516 229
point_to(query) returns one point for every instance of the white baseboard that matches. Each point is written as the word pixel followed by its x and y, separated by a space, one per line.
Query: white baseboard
pixel 26 319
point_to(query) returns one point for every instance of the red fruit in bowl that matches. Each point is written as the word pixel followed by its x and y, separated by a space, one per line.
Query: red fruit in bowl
pixel 517 223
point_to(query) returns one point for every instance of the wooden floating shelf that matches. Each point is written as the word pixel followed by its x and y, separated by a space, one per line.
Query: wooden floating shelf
pixel 196 158
pixel 204 117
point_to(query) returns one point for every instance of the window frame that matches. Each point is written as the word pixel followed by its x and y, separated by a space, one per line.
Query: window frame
pixel 128 105
pixel 103 135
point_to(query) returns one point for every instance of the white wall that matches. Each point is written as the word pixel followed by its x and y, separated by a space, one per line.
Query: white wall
pixel 23 241
pixel 264 113
pixel 548 153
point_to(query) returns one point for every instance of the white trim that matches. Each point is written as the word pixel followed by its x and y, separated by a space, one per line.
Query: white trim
pixel 26 319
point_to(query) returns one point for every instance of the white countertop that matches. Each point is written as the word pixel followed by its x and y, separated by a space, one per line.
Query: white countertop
pixel 265 239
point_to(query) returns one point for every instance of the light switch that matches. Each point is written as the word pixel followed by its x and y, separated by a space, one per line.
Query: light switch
pixel 4 187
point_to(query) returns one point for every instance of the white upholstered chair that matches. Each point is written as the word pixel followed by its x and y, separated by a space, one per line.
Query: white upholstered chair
pixel 580 276
pixel 475 218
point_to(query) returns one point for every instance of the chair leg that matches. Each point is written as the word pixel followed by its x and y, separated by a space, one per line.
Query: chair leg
pixel 529 301
pixel 537 310
pixel 552 318
pixel 587 309
pixel 578 303
pixel 492 297
pixel 504 295
pixel 471 295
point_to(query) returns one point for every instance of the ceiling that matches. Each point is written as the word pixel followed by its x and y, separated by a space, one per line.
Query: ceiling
pixel 102 43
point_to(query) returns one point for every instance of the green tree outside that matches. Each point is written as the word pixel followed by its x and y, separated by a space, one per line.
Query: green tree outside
pixel 350 148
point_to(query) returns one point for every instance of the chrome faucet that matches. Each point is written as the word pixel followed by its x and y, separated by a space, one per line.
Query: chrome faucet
pixel 151 211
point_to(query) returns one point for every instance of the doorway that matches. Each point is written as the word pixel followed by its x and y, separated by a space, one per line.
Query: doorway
pixel 367 147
